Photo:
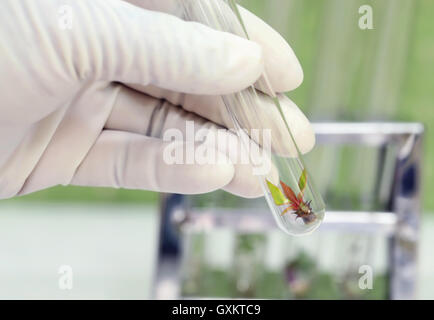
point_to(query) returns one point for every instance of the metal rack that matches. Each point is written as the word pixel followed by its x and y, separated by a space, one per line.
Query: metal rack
pixel 400 221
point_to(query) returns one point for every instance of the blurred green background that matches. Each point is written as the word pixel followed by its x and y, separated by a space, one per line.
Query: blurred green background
pixel 350 74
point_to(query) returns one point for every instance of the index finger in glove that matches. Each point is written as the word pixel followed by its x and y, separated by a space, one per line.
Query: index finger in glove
pixel 281 64
pixel 112 40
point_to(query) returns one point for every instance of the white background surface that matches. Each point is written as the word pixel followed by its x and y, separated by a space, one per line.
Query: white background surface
pixel 110 250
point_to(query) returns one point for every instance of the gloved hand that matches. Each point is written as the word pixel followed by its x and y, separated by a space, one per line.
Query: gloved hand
pixel 69 113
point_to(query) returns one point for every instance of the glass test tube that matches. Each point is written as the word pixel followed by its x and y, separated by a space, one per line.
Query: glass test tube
pixel 296 205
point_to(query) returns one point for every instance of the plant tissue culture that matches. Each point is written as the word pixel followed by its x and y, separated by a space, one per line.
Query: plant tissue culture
pixel 297 207
pixel 295 204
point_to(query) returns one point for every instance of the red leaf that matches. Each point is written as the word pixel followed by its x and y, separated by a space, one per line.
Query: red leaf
pixel 289 193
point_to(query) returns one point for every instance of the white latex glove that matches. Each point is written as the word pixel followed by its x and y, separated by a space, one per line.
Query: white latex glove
pixel 67 117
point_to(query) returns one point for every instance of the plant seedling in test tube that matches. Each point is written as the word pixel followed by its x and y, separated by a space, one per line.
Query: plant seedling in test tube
pixel 296 204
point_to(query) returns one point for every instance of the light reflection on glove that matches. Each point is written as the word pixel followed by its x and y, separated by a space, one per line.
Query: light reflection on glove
pixel 69 113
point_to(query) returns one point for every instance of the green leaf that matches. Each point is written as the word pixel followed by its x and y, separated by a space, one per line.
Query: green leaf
pixel 278 197
pixel 302 180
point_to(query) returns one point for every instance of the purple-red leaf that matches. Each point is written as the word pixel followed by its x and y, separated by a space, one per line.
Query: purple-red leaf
pixel 289 193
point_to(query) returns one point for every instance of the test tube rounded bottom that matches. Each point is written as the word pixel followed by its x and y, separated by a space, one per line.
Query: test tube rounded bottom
pixel 296 206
